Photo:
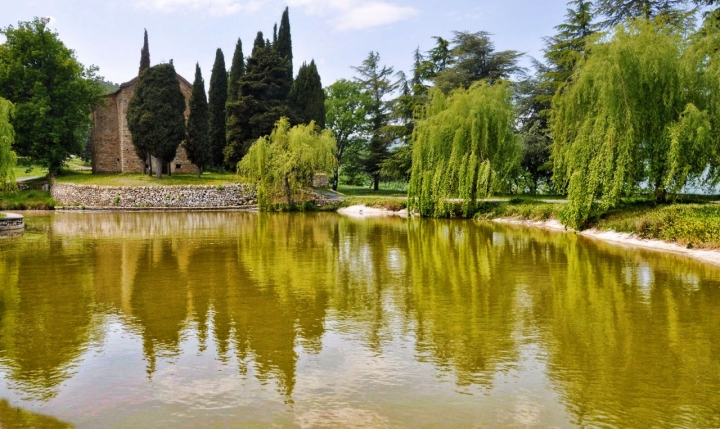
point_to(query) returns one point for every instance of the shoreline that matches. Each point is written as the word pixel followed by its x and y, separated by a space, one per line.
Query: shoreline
pixel 621 238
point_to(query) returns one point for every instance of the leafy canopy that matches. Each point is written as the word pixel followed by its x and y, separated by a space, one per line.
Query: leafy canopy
pixel 7 156
pixel 217 114
pixel 635 113
pixel 52 92
pixel 284 164
pixel 463 148
pixel 197 144
pixel 346 107
pixel 156 113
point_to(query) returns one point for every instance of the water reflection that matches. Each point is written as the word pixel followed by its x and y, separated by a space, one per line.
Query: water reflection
pixel 621 335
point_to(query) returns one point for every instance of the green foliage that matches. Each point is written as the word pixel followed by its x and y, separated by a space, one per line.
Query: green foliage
pixel 474 58
pixel 197 146
pixel 237 70
pixel 634 113
pixel 464 147
pixel 284 45
pixel 536 155
pixel 7 156
pixel 617 11
pixel 26 200
pixel 284 164
pixel 217 102
pixel 518 208
pixel 691 225
pixel 262 101
pixel 156 113
pixel 375 81
pixel 346 107
pixel 52 92
pixel 307 98
pixel 144 55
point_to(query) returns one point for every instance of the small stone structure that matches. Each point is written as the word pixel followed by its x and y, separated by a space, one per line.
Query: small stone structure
pixel 112 147
pixel 127 197
pixel 11 222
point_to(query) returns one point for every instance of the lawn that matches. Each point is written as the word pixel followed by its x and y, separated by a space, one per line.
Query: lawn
pixel 22 172
pixel 26 200
pixel 207 179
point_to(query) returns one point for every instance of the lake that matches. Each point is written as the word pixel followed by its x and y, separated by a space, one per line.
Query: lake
pixel 236 319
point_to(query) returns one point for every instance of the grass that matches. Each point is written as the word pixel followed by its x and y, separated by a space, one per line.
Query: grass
pixel 22 172
pixel 519 208
pixel 207 179
pixel 690 225
pixel 26 200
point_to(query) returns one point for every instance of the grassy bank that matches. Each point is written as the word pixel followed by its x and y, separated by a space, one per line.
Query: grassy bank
pixel 694 225
pixel 207 179
pixel 26 200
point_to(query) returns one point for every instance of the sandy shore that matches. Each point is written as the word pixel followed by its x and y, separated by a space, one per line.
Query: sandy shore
pixel 709 256
pixel 361 211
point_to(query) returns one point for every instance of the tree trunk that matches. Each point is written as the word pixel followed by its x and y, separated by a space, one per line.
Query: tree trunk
pixel 150 164
pixel 158 167
pixel 376 182
pixel 169 168
pixel 336 175
pixel 199 172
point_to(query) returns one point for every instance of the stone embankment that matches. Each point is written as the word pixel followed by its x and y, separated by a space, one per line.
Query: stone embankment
pixel 11 222
pixel 229 196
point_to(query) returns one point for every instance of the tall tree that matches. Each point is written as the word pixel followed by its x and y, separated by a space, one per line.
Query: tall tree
pixel 156 114
pixel 144 55
pixel 197 143
pixel 617 11
pixel 464 147
pixel 284 44
pixel 639 111
pixel 307 97
pixel 375 80
pixel 346 107
pixel 217 118
pixel 474 58
pixel 7 156
pixel 237 70
pixel 52 92
pixel 262 100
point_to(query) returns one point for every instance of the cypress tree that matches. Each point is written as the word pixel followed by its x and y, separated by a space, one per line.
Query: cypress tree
pixel 261 102
pixel 144 56
pixel 156 114
pixel 284 44
pixel 307 97
pixel 218 99
pixel 237 69
pixel 197 144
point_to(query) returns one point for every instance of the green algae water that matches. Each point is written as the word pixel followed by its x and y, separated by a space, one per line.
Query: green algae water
pixel 175 320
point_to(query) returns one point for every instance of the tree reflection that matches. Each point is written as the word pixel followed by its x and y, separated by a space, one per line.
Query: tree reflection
pixel 626 336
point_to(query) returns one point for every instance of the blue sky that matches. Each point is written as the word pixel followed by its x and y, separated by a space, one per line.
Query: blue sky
pixel 336 33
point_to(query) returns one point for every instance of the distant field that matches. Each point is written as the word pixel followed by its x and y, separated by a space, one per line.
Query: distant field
pixel 33 171
pixel 207 179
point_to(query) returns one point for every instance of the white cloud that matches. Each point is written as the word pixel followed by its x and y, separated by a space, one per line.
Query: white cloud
pixel 356 14
pixel 341 14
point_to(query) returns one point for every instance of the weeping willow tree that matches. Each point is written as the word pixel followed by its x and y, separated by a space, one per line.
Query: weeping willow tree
pixel 284 163
pixel 464 148
pixel 7 156
pixel 634 115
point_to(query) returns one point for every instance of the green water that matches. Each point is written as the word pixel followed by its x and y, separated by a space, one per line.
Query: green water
pixel 254 320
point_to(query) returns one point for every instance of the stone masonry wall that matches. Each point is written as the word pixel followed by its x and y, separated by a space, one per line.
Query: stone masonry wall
pixel 113 151
pixel 90 196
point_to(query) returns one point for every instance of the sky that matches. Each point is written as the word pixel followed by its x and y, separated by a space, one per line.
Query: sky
pixel 337 34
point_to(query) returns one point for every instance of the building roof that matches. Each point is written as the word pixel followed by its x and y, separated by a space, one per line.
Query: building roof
pixel 134 80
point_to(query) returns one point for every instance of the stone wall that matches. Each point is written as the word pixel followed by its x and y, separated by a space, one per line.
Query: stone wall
pixel 125 197
pixel 113 151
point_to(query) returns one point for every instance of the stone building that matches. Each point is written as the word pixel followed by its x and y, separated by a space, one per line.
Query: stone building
pixel 112 148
